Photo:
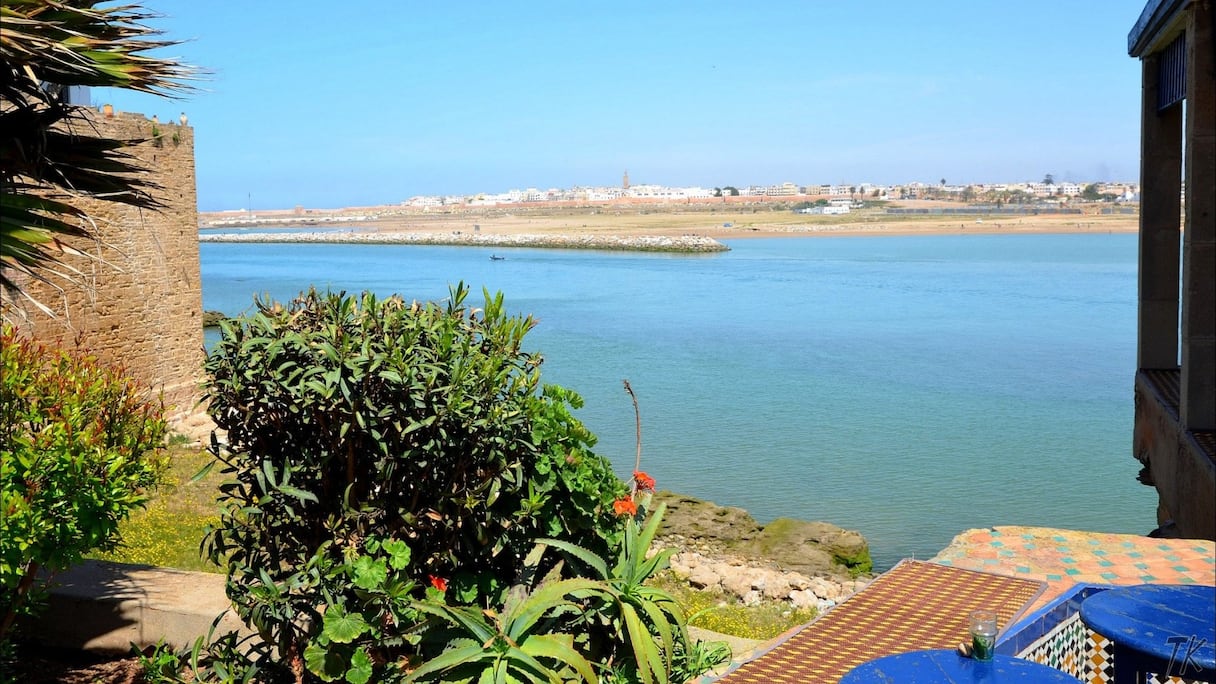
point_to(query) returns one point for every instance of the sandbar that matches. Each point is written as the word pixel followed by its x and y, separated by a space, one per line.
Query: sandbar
pixel 671 228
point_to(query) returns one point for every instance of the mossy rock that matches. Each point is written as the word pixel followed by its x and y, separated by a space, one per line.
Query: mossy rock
pixel 803 547
pixel 212 319
pixel 692 518
pixel 809 548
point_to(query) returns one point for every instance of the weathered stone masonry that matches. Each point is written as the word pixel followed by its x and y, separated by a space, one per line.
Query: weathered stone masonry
pixel 143 305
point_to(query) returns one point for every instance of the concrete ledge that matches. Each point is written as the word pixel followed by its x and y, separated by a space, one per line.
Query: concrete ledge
pixel 105 607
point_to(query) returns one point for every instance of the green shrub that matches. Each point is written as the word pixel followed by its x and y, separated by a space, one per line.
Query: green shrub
pixel 78 452
pixel 379 450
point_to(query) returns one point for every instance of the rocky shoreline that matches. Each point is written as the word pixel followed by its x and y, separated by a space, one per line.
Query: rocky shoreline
pixel 640 243
pixel 752 582
pixel 723 550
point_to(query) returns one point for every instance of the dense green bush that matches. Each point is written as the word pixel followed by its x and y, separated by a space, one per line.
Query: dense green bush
pixel 79 446
pixel 379 450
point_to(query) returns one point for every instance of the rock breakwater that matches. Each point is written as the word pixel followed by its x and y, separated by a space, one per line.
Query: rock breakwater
pixel 639 243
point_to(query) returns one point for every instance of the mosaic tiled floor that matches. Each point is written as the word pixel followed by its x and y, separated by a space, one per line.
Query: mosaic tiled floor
pixel 1063 558
pixel 1052 559
pixel 915 605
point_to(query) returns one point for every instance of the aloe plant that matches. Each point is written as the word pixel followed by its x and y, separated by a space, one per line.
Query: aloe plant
pixel 647 619
pixel 513 645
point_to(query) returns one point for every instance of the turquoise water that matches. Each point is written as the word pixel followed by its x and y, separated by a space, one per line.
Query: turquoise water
pixel 906 387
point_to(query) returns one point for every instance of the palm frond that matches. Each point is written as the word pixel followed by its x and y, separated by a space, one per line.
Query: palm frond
pixel 50 154
pixel 77 43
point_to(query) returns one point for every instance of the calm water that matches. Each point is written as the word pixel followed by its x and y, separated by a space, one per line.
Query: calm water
pixel 907 387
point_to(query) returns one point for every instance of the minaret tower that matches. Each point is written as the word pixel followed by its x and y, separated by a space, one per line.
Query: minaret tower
pixel 625 180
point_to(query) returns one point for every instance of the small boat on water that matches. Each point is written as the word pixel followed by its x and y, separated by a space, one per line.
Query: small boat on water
pixel 495 257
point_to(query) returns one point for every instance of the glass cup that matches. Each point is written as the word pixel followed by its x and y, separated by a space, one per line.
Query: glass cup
pixel 983 634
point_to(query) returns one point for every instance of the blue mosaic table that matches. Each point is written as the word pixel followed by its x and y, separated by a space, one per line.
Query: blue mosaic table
pixel 948 667
pixel 1159 628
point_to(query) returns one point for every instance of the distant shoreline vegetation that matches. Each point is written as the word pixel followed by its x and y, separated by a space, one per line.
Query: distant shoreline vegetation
pixel 1015 210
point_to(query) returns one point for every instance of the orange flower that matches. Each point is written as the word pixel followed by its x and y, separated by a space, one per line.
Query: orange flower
pixel 644 482
pixel 625 506
pixel 439 583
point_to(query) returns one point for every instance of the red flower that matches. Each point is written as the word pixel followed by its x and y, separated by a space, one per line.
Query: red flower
pixel 644 482
pixel 625 506
pixel 439 583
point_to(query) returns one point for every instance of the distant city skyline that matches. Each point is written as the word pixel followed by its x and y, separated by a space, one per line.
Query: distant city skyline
pixel 1045 187
pixel 787 191
pixel 309 106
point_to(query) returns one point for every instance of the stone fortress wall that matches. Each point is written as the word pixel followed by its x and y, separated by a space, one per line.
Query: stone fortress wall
pixel 142 303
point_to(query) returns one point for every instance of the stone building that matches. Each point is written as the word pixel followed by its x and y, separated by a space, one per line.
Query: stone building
pixel 140 305
pixel 1175 387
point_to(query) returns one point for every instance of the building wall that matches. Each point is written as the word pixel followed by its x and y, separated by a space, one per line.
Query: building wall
pixel 142 303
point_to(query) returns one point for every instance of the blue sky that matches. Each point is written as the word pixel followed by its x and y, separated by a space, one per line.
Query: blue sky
pixel 331 105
